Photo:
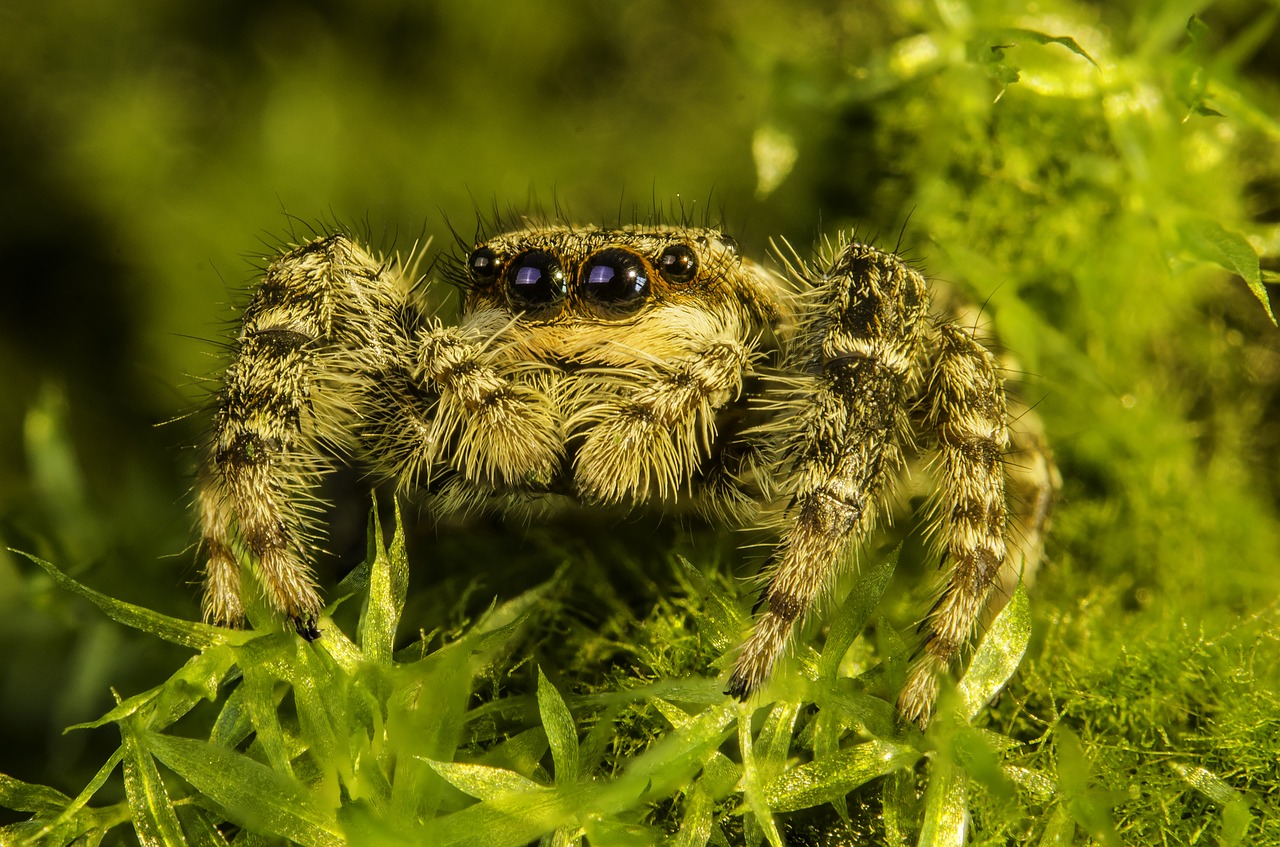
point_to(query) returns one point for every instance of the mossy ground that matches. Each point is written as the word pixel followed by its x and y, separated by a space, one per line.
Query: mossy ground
pixel 1103 179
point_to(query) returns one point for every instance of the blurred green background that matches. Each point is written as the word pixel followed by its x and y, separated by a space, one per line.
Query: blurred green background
pixel 154 152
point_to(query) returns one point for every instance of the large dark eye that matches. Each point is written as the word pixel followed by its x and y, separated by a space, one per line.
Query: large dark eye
pixel 535 279
pixel 678 263
pixel 483 265
pixel 617 278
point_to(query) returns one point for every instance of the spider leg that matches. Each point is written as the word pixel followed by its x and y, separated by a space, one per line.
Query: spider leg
pixel 324 316
pixel 451 405
pixel 966 409
pixel 864 330
pixel 649 438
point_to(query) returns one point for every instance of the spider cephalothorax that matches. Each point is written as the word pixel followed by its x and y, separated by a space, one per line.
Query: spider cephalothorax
pixel 643 366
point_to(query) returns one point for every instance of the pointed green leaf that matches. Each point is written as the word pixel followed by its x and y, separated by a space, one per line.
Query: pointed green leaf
pixel 72 818
pixel 773 742
pixel 200 829
pixel 849 621
pixel 719 773
pixel 187 633
pixel 999 654
pixel 1212 242
pixel 825 779
pixel 760 820
pixel 27 797
pixel 562 732
pixel 679 755
pixel 513 820
pixel 594 746
pixel 1235 808
pixel 946 806
pixel 695 826
pixel 483 781
pixel 251 794
pixel 722 621
pixel 261 701
pixel 319 696
pixel 388 585
pixel 1060 831
pixel 153 816
pixel 1044 38
pixel 899 805
pixel 196 680
pixel 233 724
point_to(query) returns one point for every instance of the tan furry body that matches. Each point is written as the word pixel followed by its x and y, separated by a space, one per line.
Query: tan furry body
pixel 647 366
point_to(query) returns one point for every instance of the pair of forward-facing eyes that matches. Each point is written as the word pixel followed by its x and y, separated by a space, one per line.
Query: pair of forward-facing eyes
pixel 617 279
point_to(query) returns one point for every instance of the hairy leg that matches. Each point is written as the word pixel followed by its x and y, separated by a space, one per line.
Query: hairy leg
pixel 966 409
pixel 863 329
pixel 449 406
pixel 651 435
pixel 320 319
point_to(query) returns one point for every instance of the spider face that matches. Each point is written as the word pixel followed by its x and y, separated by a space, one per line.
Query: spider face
pixel 646 367
pixel 565 275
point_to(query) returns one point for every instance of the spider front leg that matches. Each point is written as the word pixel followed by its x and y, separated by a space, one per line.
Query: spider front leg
pixel 650 437
pixel 863 334
pixel 454 407
pixel 323 319
pixel 967 411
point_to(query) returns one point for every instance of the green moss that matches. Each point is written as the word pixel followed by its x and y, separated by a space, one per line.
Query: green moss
pixel 1102 179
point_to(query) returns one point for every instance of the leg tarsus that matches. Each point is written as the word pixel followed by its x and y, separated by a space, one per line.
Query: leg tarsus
pixel 308 627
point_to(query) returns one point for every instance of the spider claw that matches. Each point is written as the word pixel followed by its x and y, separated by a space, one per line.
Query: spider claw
pixel 306 626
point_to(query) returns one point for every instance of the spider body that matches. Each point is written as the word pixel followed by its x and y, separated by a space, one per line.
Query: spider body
pixel 648 366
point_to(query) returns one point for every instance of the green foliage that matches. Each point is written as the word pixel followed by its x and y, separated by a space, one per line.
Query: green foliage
pixel 1102 178
pixel 340 741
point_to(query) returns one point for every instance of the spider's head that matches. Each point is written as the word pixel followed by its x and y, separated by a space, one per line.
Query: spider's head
pixel 551 275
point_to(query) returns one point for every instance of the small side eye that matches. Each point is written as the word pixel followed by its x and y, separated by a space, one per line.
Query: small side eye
pixel 484 266
pixel 678 263
pixel 535 279
pixel 616 278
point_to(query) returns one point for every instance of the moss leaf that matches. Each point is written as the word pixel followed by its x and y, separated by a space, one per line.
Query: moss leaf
pixel 946 809
pixel 388 586
pixel 849 621
pixel 28 797
pixel 830 777
pixel 1211 241
pixel 483 781
pixel 187 633
pixel 153 816
pixel 999 654
pixel 562 733
pixel 251 794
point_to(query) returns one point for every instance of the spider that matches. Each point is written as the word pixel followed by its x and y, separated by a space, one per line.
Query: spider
pixel 646 365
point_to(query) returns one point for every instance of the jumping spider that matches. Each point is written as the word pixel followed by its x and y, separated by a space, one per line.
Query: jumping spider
pixel 646 365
